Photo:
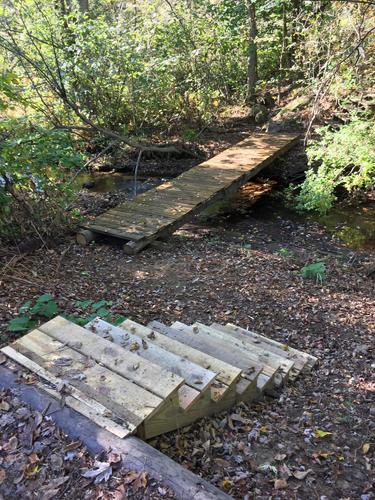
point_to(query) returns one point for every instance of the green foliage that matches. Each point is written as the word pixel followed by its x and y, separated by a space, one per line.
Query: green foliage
pixel 94 310
pixel 20 324
pixel 315 271
pixel 36 165
pixel 45 307
pixel 345 158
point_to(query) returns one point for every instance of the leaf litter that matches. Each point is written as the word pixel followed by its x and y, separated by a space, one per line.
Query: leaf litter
pixel 38 461
pixel 225 269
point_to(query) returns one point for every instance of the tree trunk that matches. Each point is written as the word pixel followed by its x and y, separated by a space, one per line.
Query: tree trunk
pixel 252 70
pixel 83 5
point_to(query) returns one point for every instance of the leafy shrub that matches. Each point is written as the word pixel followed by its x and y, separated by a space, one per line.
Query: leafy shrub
pixel 346 159
pixel 45 307
pixel 36 165
pixel 315 271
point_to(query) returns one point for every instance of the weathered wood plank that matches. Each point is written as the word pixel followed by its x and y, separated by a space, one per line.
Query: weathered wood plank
pixel 194 375
pixel 74 398
pixel 194 190
pixel 226 373
pixel 264 356
pixel 125 363
pixel 170 419
pixel 208 342
pixel 123 398
pixel 303 360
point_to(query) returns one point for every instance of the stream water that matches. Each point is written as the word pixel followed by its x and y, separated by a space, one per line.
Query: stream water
pixel 355 226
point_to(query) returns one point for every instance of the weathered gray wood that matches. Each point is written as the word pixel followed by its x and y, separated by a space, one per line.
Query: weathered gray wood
pixel 85 236
pixel 191 192
pixel 194 375
pixel 303 360
pixel 250 366
pixel 226 373
pixel 123 398
pixel 264 356
pixel 125 363
pixel 74 398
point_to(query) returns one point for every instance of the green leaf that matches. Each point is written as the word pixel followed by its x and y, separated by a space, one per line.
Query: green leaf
pixel 321 434
pixel 25 307
pixel 316 270
pixel 44 298
pixel 50 310
pixel 44 308
pixel 19 324
pixel 102 312
pixel 117 319
pixel 83 304
pixel 100 304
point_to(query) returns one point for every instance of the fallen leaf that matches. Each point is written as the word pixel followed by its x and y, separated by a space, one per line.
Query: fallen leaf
pixel 321 434
pixel 221 462
pixel 2 476
pixel 56 461
pixel 4 406
pixel 31 470
pixel 131 477
pixel 280 457
pixel 226 484
pixel 365 448
pixel 141 481
pixel 280 484
pixel 33 458
pixel 301 474
pixel 322 454
pixel 72 446
pixel 12 444
pixel 101 471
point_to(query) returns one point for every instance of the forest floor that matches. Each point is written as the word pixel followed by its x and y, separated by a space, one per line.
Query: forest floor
pixel 315 439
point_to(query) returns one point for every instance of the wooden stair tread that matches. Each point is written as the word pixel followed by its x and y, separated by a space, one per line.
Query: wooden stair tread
pixel 301 359
pixel 74 398
pixel 209 342
pixel 225 373
pixel 264 356
pixel 128 401
pixel 154 379
pixel 194 375
pixel 142 372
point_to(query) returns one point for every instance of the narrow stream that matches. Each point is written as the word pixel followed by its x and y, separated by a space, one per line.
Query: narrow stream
pixel 354 226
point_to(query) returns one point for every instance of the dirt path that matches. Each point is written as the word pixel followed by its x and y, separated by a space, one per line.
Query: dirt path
pixel 316 438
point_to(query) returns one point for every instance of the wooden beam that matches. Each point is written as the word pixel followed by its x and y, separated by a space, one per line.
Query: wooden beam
pixel 128 364
pixel 136 454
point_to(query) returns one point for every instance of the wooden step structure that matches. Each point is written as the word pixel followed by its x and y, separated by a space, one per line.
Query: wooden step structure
pixel 148 380
pixel 157 213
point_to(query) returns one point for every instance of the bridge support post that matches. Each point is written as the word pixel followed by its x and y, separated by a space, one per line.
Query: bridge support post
pixel 84 237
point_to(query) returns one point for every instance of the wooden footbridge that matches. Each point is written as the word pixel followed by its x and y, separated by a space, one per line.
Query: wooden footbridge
pixel 148 380
pixel 157 213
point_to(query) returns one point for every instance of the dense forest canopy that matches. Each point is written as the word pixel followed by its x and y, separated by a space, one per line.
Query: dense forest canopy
pixel 140 75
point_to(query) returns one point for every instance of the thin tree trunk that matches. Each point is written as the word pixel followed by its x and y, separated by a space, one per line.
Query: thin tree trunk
pixel 84 5
pixel 295 36
pixel 252 70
